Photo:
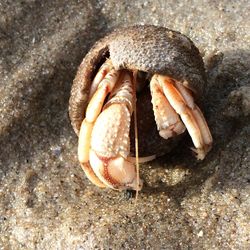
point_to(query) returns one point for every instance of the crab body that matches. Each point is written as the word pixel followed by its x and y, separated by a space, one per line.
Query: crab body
pixel 104 94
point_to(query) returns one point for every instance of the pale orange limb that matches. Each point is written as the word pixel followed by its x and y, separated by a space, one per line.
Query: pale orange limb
pixel 83 155
pixel 105 87
pixel 167 120
pixel 92 112
pixel 182 102
pixel 141 159
pixel 102 72
pixel 91 175
pixel 200 119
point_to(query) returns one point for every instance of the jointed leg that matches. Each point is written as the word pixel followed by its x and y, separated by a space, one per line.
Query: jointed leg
pixel 167 120
pixel 182 101
pixel 83 153
pixel 102 72
pixel 200 119
pixel 93 110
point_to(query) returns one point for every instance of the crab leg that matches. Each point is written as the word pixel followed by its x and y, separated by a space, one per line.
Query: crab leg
pixel 110 144
pixel 92 112
pixel 106 67
pixel 200 119
pixel 167 120
pixel 182 102
pixel 83 153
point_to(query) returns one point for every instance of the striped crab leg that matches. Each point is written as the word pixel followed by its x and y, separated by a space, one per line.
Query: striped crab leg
pixel 178 100
pixel 93 110
pixel 106 67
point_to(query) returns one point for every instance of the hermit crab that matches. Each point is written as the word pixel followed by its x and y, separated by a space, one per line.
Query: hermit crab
pixel 115 80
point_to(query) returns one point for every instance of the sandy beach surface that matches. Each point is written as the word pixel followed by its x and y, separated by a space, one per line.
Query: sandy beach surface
pixel 46 202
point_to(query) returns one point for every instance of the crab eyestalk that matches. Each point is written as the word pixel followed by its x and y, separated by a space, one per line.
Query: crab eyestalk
pixel 101 103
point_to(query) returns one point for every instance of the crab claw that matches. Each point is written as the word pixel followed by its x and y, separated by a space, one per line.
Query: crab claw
pixel 103 151
pixel 110 144
pixel 117 173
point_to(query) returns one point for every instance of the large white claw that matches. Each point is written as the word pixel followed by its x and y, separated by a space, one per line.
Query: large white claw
pixel 117 173
pixel 104 144
pixel 110 143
